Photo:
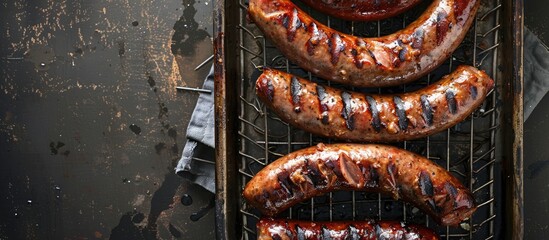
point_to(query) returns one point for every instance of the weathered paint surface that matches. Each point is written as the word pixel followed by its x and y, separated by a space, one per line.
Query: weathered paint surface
pixel 91 124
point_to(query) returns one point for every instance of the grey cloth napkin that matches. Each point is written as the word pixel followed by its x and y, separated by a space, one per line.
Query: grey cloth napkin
pixel 536 71
pixel 197 161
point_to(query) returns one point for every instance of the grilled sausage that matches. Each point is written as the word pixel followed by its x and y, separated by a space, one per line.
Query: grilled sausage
pixel 317 170
pixel 271 229
pixel 366 62
pixel 353 116
pixel 361 10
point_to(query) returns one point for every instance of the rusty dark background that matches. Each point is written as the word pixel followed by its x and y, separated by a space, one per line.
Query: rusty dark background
pixel 91 125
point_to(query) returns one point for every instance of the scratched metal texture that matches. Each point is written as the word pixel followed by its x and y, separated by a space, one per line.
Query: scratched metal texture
pixel 91 125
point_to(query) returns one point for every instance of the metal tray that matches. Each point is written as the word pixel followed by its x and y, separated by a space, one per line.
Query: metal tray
pixel 484 151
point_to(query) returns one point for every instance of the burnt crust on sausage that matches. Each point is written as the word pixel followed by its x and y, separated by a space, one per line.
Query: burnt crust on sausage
pixel 352 116
pixel 399 173
pixel 366 62
pixel 360 10
pixel 270 229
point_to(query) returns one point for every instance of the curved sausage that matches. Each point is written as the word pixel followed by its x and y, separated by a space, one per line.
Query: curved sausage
pixel 316 170
pixel 271 229
pixel 366 62
pixel 352 116
pixel 361 10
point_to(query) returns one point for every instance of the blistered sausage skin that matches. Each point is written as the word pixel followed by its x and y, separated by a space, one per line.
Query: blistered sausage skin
pixel 352 116
pixel 314 171
pixel 361 10
pixel 366 62
pixel 283 229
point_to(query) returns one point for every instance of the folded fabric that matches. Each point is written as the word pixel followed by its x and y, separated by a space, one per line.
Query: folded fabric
pixel 536 71
pixel 197 160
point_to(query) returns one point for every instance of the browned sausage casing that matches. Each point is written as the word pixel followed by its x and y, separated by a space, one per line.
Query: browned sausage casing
pixel 361 10
pixel 352 116
pixel 316 170
pixel 366 62
pixel 271 229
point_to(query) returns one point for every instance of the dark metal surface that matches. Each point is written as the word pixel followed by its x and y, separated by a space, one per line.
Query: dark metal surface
pixel 472 150
pixel 91 124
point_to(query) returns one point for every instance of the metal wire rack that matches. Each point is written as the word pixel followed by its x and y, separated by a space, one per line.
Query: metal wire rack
pixel 468 149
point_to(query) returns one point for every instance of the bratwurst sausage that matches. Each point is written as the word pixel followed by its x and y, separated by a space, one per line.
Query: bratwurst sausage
pixel 316 170
pixel 366 62
pixel 353 116
pixel 271 229
pixel 361 10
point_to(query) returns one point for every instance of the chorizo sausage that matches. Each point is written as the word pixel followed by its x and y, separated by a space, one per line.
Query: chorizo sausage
pixel 361 10
pixel 272 229
pixel 353 116
pixel 316 170
pixel 366 62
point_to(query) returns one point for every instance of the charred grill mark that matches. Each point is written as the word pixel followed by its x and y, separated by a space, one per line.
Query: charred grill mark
pixel 264 195
pixel 450 189
pixel 291 24
pixel 347 111
pixel 286 21
pixel 286 184
pixel 433 206
pixel 374 178
pixel 443 24
pixel 325 118
pixel 295 90
pixel 289 232
pixel 474 91
pixel 371 176
pixel 376 122
pixel 401 113
pixel 300 233
pixel 335 168
pixel 417 41
pixel 379 232
pixel 352 233
pixel 451 100
pixel 374 57
pixel 314 174
pixel 358 62
pixel 402 54
pixel 326 235
pixel 336 47
pixel 314 40
pixel 321 94
pixel 425 184
pixel 427 110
